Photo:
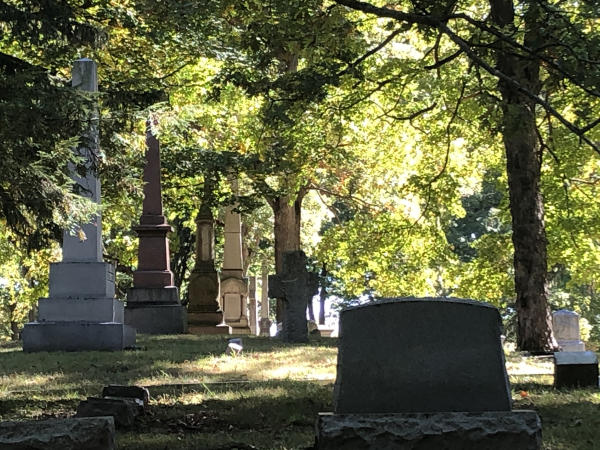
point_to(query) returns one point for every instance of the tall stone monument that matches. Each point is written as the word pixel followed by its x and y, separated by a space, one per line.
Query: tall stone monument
pixel 565 325
pixel 252 306
pixel 296 286
pixel 81 312
pixel 234 287
pixel 153 302
pixel 204 312
pixel 265 322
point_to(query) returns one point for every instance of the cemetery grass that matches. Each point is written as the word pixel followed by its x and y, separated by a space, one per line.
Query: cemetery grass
pixel 266 398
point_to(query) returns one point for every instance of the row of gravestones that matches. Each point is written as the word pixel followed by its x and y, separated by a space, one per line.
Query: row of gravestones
pixel 82 313
pixel 418 374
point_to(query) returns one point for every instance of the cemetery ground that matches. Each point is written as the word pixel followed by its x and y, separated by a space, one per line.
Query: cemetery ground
pixel 266 398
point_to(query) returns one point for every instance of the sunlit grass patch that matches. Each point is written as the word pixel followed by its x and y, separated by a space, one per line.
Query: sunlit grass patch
pixel 267 397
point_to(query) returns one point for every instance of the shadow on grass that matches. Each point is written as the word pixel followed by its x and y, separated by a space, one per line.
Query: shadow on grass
pixel 271 414
pixel 31 382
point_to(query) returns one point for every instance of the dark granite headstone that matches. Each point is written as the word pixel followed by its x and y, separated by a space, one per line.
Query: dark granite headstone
pixel 421 355
pixel 295 286
pixel 575 369
pixel 423 373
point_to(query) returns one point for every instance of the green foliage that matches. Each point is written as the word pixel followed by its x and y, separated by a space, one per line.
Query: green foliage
pixel 23 280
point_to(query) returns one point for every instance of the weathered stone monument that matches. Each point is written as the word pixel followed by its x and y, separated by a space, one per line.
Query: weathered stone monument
pixel 81 312
pixel 204 312
pixel 153 302
pixel 296 286
pixel 252 306
pixel 265 322
pixel 565 325
pixel 234 287
pixel 424 373
pixel 575 369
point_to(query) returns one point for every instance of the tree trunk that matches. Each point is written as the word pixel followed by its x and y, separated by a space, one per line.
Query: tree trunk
pixel 286 212
pixel 180 259
pixel 322 295
pixel 311 311
pixel 523 166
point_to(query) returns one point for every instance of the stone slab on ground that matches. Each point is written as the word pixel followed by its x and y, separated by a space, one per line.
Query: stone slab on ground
pixel 94 433
pixel 421 355
pixel 123 410
pixel 575 369
pixel 497 430
pixel 76 336
pixel 118 390
pixel 157 319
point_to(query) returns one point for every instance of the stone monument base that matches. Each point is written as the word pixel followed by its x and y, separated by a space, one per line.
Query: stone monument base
pixel 155 310
pixel 571 346
pixel 239 328
pixel 207 323
pixel 494 430
pixel 157 319
pixel 76 336
pixel 575 369
pixel 325 332
pixel 96 310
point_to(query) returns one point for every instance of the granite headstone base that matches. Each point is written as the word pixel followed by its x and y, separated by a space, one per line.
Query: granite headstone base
pixel 239 328
pixel 80 310
pixel 497 430
pixel 76 336
pixel 207 323
pixel 155 310
pixel 79 279
pixel 168 295
pixel 94 433
pixel 575 369
pixel 571 346
pixel 157 319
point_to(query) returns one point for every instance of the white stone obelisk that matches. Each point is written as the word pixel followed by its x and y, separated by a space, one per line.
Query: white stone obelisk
pixel 81 312
pixel 265 322
pixel 252 306
pixel 234 287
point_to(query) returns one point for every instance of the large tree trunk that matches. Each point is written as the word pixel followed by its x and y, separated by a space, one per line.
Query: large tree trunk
pixel 523 165
pixel 286 212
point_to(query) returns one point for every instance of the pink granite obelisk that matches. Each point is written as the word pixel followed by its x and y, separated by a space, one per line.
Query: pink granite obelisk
pixel 153 305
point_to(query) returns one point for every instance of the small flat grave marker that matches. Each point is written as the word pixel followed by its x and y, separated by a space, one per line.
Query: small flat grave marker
pixel 90 433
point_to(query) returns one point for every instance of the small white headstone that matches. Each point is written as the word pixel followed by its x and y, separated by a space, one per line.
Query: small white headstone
pixel 566 331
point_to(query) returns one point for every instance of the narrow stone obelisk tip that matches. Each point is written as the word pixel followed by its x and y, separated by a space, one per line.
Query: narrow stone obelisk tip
pixel 152 187
pixel 86 245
